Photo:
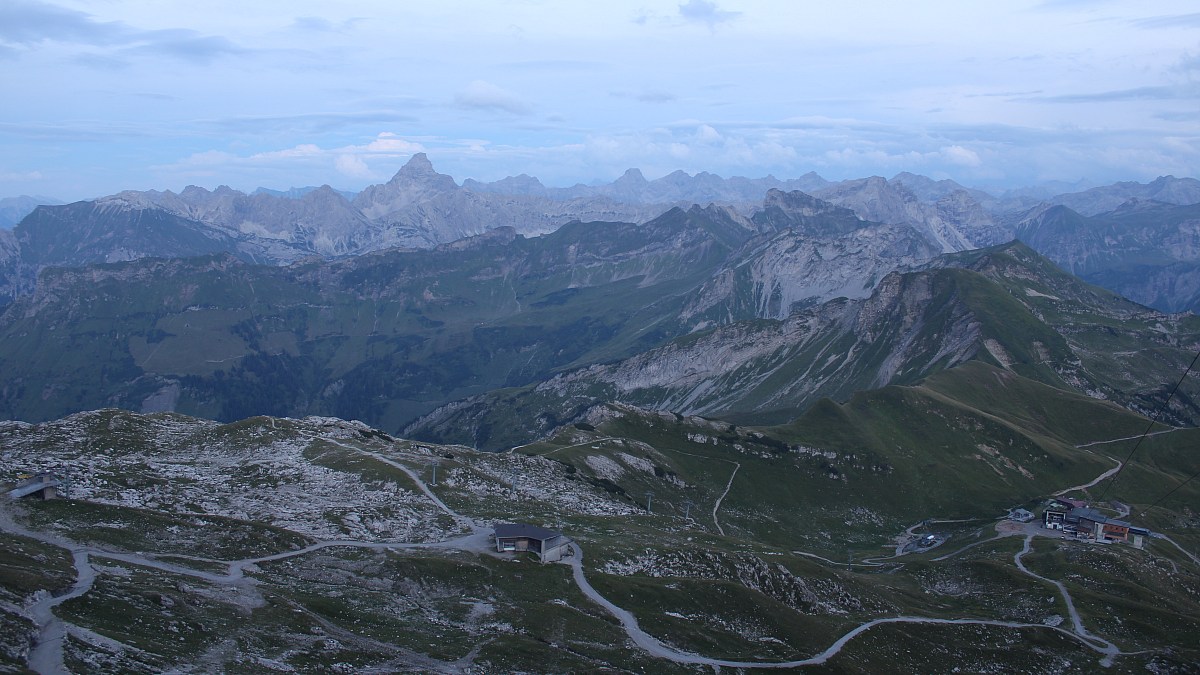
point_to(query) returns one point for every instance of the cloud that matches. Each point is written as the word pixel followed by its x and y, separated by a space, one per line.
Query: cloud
pixel 655 97
pixel 318 24
pixel 26 23
pixel 314 23
pixel 190 46
pixel 1188 63
pixel 353 166
pixel 29 23
pixel 957 154
pixel 304 150
pixel 320 122
pixel 487 96
pixel 15 176
pixel 1155 93
pixel 388 142
pixel 1170 21
pixel 348 160
pixel 703 11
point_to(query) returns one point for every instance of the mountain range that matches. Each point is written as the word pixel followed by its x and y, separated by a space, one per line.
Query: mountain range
pixel 418 294
pixel 420 208
pixel 701 311
pixel 289 422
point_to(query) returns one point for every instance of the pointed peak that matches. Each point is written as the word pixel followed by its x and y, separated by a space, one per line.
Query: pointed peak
pixel 632 175
pixel 420 170
pixel 420 161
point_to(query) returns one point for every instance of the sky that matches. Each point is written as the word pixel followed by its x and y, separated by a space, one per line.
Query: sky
pixel 101 96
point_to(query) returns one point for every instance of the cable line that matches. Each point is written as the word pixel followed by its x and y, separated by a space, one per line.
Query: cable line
pixel 1112 481
pixel 1169 493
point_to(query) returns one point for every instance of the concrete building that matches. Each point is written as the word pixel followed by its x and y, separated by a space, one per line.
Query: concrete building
pixel 550 546
pixel 43 485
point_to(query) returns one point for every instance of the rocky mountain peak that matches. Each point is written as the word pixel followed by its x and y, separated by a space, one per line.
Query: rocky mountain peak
pixel 522 184
pixel 323 194
pixel 802 212
pixel 419 171
pixel 631 177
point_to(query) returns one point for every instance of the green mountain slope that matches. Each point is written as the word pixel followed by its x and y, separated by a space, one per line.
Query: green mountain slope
pixel 1005 306
pixel 382 337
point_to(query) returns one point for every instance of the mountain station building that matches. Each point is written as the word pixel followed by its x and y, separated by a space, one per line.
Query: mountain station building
pixel 550 546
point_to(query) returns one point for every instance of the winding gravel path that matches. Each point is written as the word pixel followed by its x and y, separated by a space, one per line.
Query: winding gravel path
pixel 1095 642
pixel 47 655
pixel 658 648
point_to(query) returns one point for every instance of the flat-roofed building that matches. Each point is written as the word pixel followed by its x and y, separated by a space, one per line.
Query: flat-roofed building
pixel 550 546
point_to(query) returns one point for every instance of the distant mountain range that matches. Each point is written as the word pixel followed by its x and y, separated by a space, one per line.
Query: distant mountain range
pixel 13 209
pixel 420 208
pixel 418 293
pixel 703 310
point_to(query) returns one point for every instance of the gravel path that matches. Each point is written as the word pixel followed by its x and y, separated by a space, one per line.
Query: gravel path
pixel 1097 643
pixel 47 657
pixel 717 505
pixel 658 648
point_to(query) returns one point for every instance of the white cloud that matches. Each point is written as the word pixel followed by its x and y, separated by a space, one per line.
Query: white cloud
pixel 388 142
pixel 304 150
pixel 352 166
pixel 708 135
pixel 957 154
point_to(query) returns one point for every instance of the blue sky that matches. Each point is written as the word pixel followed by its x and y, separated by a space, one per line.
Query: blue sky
pixel 108 95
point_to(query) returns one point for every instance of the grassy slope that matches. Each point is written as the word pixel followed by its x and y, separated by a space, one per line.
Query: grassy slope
pixel 381 338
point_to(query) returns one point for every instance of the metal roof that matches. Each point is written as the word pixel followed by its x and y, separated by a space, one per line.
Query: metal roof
pixel 513 530
pixel 32 487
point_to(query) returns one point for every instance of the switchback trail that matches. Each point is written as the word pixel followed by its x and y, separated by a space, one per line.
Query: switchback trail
pixel 656 647
pixel 1097 643
pixel 728 485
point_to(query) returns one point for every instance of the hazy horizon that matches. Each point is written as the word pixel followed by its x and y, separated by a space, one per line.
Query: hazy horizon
pixel 133 94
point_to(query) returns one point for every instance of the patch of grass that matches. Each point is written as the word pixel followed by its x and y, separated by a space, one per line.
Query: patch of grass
pixel 157 532
pixel 27 565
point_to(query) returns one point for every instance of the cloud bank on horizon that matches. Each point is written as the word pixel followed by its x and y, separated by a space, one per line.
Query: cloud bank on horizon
pixel 138 94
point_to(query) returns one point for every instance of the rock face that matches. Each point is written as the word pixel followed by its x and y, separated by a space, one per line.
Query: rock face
pixel 878 200
pixel 809 251
pixel 1147 251
pixel 1006 306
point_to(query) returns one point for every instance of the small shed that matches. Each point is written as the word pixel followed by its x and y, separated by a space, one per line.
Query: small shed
pixel 1020 515
pixel 43 485
pixel 550 546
